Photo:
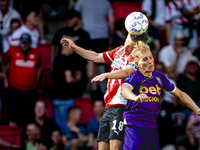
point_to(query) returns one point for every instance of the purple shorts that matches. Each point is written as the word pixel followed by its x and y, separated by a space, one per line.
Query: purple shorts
pixel 137 138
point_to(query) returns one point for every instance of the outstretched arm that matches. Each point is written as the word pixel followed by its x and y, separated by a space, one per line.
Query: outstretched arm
pixel 87 54
pixel 118 74
pixel 127 93
pixel 186 100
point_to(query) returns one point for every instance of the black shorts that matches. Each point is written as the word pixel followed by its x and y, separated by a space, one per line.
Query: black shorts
pixel 111 125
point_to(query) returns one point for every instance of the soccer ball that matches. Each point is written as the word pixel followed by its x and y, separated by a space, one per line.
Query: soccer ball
pixel 136 23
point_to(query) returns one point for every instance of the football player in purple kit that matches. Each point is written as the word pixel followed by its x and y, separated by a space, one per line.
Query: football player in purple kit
pixel 142 90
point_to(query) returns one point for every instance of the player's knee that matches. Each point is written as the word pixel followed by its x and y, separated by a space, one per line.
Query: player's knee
pixel 103 146
pixel 115 145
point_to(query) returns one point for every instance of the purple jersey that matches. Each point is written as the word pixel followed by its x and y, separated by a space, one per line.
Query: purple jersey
pixel 145 114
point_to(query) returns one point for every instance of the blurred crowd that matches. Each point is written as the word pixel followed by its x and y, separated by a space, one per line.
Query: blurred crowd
pixel 174 39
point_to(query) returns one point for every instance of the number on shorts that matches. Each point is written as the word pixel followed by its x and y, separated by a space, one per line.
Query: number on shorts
pixel 114 125
pixel 120 125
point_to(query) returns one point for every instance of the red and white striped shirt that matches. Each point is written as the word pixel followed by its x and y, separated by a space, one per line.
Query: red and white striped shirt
pixel 119 60
pixel 174 15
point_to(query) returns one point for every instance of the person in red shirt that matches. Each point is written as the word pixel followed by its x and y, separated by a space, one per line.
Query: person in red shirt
pixel 24 63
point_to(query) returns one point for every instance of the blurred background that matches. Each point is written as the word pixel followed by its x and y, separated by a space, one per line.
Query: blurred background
pixel 46 98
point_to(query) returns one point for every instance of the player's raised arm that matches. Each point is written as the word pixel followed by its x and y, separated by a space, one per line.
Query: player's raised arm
pixel 127 93
pixel 87 54
pixel 186 100
pixel 118 74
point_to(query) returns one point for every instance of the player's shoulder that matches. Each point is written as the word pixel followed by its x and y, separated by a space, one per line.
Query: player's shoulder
pixel 158 74
pixel 134 77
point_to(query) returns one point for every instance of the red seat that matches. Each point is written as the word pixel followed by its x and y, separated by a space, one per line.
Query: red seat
pixel 45 50
pixel 10 134
pixel 87 111
pixel 122 9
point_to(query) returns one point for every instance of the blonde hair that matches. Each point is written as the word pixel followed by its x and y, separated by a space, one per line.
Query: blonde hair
pixel 140 48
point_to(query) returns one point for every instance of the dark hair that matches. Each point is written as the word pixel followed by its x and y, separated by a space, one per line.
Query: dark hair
pixel 45 141
pixel 143 37
pixel 72 13
pixel 15 20
pixel 57 129
pixel 71 109
pixel 26 12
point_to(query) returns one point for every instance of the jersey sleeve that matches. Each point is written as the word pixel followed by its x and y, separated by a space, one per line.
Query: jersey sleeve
pixel 133 65
pixel 131 80
pixel 166 84
pixel 109 55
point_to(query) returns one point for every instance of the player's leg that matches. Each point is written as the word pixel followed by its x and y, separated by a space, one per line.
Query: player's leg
pixel 134 138
pixel 104 131
pixel 115 144
pixel 153 142
pixel 116 128
pixel 103 145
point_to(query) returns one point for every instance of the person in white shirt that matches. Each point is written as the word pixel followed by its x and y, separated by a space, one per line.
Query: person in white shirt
pixel 6 15
pixel 175 56
pixel 155 11
pixel 179 16
pixel 31 19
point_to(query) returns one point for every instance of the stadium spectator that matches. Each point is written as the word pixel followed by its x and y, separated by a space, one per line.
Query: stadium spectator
pixel 175 56
pixel 191 139
pixel 14 25
pixel 189 82
pixel 72 134
pixel 100 30
pixel 56 137
pixel 6 15
pixel 179 16
pixel 155 12
pixel 121 33
pixel 93 125
pixel 33 133
pixel 43 144
pixel 47 125
pixel 69 69
pixel 31 19
pixel 24 73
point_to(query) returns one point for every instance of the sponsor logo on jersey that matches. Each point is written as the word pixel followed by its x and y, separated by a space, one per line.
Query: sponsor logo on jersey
pixel 23 63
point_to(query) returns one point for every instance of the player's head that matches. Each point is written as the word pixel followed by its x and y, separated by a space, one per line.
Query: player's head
pixel 143 37
pixel 132 40
pixel 143 57
pixel 74 113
